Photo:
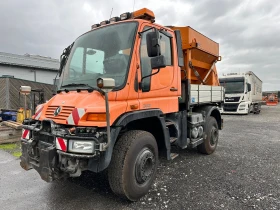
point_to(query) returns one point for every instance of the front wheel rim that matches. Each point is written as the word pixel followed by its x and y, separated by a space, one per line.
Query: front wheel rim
pixel 145 166
pixel 213 136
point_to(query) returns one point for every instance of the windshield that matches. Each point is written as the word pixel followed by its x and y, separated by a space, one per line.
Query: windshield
pixel 103 52
pixel 233 86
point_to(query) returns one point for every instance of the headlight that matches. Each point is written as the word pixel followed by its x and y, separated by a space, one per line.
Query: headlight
pixel 125 16
pixel 81 146
pixel 114 19
pixel 95 26
pixel 104 22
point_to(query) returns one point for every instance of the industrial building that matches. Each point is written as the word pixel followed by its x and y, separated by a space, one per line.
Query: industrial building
pixel 35 71
pixel 29 67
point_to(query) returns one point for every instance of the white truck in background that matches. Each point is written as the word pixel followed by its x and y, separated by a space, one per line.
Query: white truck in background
pixel 243 93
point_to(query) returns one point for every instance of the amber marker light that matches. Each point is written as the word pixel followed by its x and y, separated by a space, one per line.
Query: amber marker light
pixel 99 117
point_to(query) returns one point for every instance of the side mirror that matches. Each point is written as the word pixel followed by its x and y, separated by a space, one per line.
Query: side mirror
pixel 153 43
pixel 249 87
pixel 158 62
pixel 106 84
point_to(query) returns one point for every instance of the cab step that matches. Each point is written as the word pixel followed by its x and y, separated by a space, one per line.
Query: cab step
pixel 173 155
pixel 196 143
pixel 173 139
pixel 167 123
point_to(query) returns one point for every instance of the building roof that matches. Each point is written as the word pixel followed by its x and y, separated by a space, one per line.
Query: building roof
pixel 31 61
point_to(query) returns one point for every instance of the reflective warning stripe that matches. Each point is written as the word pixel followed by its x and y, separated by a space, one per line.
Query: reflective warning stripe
pixel 25 133
pixel 61 144
pixel 38 112
pixel 75 116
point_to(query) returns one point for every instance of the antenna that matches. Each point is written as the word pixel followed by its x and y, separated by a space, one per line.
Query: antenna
pixel 111 13
pixel 133 5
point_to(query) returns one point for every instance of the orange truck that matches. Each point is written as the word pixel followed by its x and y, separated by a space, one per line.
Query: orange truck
pixel 129 90
pixel 271 99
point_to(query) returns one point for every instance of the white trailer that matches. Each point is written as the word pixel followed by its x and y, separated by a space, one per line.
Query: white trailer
pixel 243 93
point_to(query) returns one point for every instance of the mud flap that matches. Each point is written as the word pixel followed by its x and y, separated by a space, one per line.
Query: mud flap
pixel 47 164
pixel 25 161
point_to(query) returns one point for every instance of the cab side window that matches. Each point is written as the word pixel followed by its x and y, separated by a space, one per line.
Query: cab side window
pixel 145 60
pixel 165 43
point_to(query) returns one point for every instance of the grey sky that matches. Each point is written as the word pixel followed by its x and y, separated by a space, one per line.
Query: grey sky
pixel 248 31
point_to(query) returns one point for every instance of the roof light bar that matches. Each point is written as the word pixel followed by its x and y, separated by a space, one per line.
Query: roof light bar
pixel 145 14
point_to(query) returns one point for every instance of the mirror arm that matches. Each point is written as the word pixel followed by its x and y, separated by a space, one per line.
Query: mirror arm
pixel 140 33
pixel 140 84
pixel 158 54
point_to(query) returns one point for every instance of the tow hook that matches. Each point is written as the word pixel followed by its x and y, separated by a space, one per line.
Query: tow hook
pixel 73 167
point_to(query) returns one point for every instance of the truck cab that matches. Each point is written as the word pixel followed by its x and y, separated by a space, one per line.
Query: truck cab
pixel 129 90
pixel 242 93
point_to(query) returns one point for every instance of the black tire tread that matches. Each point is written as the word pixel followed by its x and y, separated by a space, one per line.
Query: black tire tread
pixel 121 148
pixel 202 148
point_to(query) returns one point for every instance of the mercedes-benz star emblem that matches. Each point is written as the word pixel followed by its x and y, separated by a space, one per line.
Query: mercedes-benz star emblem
pixel 57 111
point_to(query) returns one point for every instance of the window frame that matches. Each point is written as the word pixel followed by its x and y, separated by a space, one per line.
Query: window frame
pixel 129 61
pixel 145 30
pixel 171 51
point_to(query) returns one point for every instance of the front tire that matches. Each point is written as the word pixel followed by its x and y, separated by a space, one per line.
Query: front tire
pixel 249 110
pixel 133 166
pixel 211 137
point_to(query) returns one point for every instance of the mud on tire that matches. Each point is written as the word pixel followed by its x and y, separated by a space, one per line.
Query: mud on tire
pixel 133 165
pixel 211 137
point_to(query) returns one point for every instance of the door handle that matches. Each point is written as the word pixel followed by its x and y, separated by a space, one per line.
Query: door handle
pixel 173 89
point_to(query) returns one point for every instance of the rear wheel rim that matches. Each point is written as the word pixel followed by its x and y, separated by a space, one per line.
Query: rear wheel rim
pixel 144 166
pixel 213 136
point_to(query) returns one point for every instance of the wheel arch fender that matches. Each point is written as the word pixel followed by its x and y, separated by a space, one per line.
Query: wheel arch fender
pixel 211 111
pixel 124 120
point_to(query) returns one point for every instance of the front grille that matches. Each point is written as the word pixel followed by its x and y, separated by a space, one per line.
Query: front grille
pixel 63 115
pixel 232 99
pixel 231 107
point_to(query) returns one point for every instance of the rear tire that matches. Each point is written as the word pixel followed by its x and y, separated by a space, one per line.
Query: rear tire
pixel 133 165
pixel 258 109
pixel 211 137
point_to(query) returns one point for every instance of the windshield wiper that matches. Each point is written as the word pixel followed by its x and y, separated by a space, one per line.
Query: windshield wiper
pixel 89 88
pixel 64 57
pixel 77 84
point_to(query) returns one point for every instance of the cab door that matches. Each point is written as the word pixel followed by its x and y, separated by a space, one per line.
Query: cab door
pixel 160 90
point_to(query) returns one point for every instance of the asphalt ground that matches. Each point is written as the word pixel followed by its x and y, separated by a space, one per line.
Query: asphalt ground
pixel 243 173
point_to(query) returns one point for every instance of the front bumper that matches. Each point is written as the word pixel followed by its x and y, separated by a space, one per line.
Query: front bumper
pixel 50 163
pixel 46 148
pixel 235 108
pixel 45 164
